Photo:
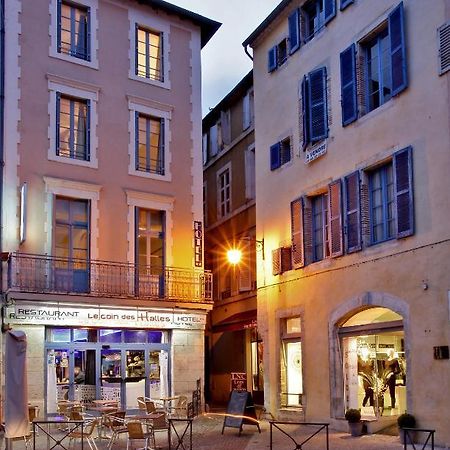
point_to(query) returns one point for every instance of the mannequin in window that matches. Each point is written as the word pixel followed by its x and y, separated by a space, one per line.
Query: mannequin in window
pixel 365 371
pixel 392 368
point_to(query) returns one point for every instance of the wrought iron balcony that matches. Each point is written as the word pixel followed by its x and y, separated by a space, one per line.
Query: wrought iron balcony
pixel 52 275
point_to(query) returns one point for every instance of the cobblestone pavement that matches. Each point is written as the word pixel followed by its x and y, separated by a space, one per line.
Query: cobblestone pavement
pixel 207 435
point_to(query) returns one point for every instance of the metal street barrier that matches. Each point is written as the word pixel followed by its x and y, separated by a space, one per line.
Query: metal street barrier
pixel 58 433
pixel 409 434
pixel 180 437
pixel 299 445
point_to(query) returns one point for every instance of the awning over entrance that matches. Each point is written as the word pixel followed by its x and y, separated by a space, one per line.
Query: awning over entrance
pixel 239 321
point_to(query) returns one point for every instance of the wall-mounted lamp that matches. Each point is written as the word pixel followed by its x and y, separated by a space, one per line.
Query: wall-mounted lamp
pixel 234 255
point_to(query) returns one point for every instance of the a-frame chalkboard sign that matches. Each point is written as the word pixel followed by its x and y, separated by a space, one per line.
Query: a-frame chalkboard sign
pixel 240 411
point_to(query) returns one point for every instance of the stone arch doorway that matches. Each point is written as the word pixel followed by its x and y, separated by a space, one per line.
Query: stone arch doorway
pixel 369 343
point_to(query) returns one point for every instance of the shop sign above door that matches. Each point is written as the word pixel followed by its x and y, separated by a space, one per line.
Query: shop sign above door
pixel 61 314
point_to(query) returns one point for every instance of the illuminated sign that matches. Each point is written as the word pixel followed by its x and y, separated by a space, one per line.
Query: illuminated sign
pixel 72 315
pixel 198 243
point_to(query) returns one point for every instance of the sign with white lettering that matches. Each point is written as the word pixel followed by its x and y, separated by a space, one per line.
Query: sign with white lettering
pixel 315 152
pixel 198 243
pixel 70 315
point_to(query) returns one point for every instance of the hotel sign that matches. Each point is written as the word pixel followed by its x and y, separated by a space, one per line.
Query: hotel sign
pixel 86 316
pixel 315 152
pixel 198 243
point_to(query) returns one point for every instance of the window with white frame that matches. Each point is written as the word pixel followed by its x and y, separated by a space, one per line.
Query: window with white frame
pixel 73 127
pixel 291 362
pixel 224 192
pixel 149 54
pixel 319 232
pixel 73 122
pixel 74 29
pixel 149 144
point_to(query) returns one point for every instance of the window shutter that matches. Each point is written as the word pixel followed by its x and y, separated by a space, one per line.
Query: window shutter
pixel 88 130
pixel 286 259
pixel 213 142
pixel 348 86
pixel 246 111
pixel 250 173
pixel 205 148
pixel 305 111
pixel 330 10
pixel 88 35
pixel 276 261
pixel 161 159
pixel 444 48
pixel 398 50
pixel 403 178
pixel 58 119
pixel 136 46
pixel 245 272
pixel 275 156
pixel 365 212
pixel 226 129
pixel 294 31
pixel 318 104
pixel 307 230
pixel 352 213
pixel 136 139
pixel 58 25
pixel 272 59
pixel 335 214
pixel 345 3
pixel 298 255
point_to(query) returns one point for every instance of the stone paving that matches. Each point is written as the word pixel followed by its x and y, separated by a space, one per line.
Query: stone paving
pixel 207 435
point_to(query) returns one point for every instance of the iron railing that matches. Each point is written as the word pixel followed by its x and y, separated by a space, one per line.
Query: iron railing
pixel 49 274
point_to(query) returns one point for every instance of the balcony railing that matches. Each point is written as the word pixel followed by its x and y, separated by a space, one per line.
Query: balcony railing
pixel 52 275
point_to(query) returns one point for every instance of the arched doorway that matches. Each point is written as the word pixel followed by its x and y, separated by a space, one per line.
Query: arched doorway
pixel 372 348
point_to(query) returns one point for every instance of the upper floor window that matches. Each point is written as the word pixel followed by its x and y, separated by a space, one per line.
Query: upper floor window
pixel 280 153
pixel 320 245
pixel 374 71
pixel 382 208
pixel 149 144
pixel 74 30
pixel 248 110
pixel 224 192
pixel 149 54
pixel 72 130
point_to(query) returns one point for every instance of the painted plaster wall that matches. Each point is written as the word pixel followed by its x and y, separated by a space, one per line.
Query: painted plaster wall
pixel 112 131
pixel 418 117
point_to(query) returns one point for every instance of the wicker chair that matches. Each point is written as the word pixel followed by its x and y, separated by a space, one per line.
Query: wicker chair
pixel 87 434
pixel 116 424
pixel 136 433
pixel 180 408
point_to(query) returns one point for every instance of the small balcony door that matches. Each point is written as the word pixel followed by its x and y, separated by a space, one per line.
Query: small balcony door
pixel 71 244
pixel 150 252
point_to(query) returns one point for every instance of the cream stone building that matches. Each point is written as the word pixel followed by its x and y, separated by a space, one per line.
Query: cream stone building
pixel 101 197
pixel 352 136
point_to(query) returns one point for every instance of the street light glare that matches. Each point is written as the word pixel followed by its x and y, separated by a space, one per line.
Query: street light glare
pixel 234 256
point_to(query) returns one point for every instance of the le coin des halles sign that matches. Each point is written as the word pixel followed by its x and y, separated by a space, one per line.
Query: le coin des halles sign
pixel 37 314
pixel 315 152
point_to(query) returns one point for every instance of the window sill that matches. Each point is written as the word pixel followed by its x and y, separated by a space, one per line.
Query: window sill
pixel 93 64
pixel 92 164
pixel 151 176
pixel 161 84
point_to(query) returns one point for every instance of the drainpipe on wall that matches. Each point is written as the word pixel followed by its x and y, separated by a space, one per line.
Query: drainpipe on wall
pixel 247 52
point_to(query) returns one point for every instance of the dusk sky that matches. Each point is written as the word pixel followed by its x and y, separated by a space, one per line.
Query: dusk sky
pixel 224 62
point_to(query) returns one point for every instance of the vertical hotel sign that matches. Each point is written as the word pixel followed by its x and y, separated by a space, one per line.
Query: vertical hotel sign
pixel 198 243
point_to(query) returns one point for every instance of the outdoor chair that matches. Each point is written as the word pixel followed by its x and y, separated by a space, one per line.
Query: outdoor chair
pixel 180 407
pixel 115 422
pixel 136 433
pixel 160 423
pixel 150 406
pixel 88 431
pixel 33 413
pixel 141 403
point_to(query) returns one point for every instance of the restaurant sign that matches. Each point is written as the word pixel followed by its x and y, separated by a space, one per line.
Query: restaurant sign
pixel 99 316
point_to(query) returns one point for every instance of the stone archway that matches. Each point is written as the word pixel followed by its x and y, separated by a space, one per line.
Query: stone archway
pixel 338 317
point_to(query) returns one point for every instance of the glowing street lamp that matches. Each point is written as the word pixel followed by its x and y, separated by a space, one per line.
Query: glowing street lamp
pixel 234 256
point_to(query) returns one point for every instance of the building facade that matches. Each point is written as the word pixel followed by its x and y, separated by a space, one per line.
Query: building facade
pixel 352 114
pixel 235 348
pixel 102 262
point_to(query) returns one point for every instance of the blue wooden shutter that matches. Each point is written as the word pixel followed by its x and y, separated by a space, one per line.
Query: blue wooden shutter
pixel 136 46
pixel 330 10
pixel 58 25
pixel 352 213
pixel 335 219
pixel 275 156
pixel 298 253
pixel 403 182
pixel 136 139
pixel 58 121
pixel 88 130
pixel 272 59
pixel 398 50
pixel 348 86
pixel 317 94
pixel 294 31
pixel 345 3
pixel 161 161
pixel 88 35
pixel 305 111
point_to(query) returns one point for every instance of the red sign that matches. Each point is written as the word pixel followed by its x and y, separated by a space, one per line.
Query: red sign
pixel 238 381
